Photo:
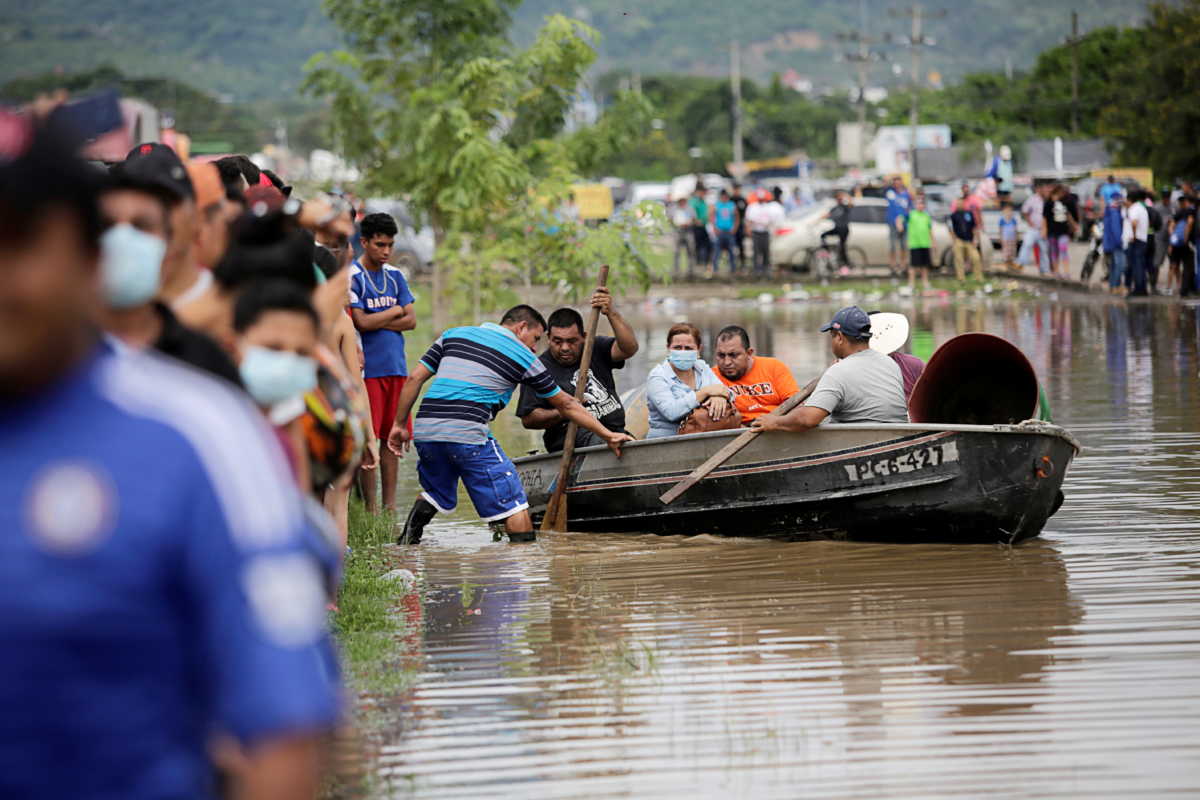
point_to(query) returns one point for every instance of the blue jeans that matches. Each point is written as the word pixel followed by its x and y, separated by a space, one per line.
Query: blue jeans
pixel 1136 254
pixel 1034 237
pixel 1116 268
pixel 725 242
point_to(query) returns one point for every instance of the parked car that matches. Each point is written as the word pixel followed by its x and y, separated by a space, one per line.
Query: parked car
pixel 801 233
pixel 414 249
pixel 640 191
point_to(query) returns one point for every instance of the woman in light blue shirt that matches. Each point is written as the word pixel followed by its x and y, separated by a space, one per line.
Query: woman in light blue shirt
pixel 681 383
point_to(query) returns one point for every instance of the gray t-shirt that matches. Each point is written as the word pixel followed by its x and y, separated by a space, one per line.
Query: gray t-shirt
pixel 864 387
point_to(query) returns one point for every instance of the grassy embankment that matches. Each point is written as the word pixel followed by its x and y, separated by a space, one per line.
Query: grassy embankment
pixel 369 627
pixel 366 624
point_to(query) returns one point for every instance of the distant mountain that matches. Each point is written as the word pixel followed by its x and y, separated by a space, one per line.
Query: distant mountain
pixel 237 49
pixel 255 50
pixel 694 36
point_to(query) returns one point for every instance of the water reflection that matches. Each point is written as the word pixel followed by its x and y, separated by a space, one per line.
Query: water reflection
pixel 617 665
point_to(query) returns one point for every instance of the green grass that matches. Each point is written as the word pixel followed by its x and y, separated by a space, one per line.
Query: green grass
pixel 366 625
pixel 369 631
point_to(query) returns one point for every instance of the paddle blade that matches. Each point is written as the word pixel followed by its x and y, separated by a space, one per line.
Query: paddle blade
pixel 555 518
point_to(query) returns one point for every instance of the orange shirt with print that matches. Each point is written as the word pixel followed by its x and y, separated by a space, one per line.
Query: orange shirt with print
pixel 762 389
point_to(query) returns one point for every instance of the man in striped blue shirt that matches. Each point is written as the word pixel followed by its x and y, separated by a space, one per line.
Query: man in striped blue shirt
pixel 477 369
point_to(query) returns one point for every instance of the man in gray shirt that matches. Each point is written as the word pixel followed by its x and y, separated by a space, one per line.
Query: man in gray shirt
pixel 863 386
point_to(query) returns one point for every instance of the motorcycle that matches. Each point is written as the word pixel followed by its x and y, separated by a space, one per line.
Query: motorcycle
pixel 1095 254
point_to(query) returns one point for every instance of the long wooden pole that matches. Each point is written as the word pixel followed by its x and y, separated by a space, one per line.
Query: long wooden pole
pixel 555 518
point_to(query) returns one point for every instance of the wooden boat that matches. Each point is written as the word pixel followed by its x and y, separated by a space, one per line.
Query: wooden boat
pixel 954 479
pixel 918 482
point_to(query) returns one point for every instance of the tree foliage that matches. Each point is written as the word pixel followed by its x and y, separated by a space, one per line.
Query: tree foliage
pixel 1135 85
pixel 1151 112
pixel 696 112
pixel 1033 104
pixel 434 104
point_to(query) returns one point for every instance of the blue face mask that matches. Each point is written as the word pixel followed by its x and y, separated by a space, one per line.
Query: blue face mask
pixel 683 359
pixel 272 376
pixel 130 265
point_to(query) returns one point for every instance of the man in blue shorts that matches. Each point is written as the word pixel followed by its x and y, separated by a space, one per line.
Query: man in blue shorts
pixel 158 584
pixel 477 370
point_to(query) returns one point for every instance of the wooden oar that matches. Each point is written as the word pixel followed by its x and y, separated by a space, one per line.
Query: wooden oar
pixel 555 518
pixel 730 450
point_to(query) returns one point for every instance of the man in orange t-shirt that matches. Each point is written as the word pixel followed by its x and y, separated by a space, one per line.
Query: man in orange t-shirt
pixel 759 384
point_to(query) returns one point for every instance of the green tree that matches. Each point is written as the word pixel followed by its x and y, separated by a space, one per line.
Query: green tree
pixel 1037 103
pixel 1151 113
pixel 435 104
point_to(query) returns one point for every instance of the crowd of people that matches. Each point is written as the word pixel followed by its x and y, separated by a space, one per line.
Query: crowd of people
pixel 1141 231
pixel 197 370
pixel 176 412
pixel 686 395
pixel 704 231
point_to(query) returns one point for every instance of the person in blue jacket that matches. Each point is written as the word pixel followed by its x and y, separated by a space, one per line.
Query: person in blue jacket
pixel 1114 247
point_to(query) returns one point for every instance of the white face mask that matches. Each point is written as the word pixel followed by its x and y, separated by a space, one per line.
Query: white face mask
pixel 130 265
pixel 272 376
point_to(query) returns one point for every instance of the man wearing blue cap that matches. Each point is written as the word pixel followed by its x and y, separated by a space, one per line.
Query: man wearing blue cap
pixel 863 386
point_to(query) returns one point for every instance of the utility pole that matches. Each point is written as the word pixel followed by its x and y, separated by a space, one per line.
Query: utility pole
pixel 913 115
pixel 1074 43
pixel 735 79
pixel 916 41
pixel 862 58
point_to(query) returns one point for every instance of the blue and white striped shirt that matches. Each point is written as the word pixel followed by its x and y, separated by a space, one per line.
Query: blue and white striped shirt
pixel 477 369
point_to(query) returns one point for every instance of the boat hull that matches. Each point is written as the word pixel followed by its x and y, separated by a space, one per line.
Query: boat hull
pixel 890 482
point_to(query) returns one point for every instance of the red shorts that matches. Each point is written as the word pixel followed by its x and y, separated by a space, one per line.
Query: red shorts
pixel 384 396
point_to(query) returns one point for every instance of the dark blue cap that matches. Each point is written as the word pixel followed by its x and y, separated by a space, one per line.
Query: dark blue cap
pixel 851 321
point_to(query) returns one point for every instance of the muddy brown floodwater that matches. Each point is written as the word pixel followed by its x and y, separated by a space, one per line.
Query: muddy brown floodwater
pixel 644 666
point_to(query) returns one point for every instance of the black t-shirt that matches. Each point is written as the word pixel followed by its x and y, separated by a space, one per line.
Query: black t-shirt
pixel 962 222
pixel 1058 218
pixel 192 347
pixel 1191 213
pixel 601 399
pixel 839 215
pixel 1181 218
pixel 740 202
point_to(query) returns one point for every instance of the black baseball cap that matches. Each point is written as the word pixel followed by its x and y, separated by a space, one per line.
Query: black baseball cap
pixel 851 321
pixel 155 165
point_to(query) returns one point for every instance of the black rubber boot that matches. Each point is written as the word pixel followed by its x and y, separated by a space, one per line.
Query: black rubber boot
pixel 521 537
pixel 418 517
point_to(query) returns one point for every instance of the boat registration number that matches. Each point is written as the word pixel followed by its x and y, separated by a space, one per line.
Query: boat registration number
pixel 913 460
pixel 531 479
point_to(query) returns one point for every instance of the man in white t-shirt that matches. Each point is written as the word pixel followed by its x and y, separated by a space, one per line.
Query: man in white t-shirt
pixel 1031 212
pixel 681 219
pixel 1135 234
pixel 763 218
